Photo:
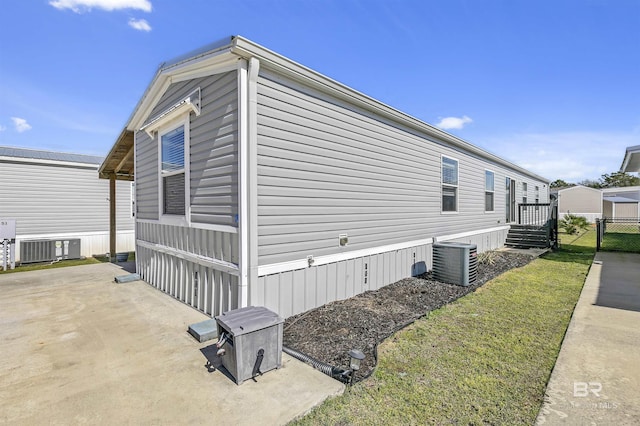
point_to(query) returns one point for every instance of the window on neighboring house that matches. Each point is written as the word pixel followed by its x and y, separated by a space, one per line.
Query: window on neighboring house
pixel 524 194
pixel 537 194
pixel 449 185
pixel 173 171
pixel 489 190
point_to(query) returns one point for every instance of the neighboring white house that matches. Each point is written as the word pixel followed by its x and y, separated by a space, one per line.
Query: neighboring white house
pixel 580 201
pixel 58 196
pixel 262 182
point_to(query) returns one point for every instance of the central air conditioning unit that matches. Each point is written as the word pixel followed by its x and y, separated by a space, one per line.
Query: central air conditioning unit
pixel 455 263
pixel 32 251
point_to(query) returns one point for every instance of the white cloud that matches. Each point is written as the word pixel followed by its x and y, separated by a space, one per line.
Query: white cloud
pixel 20 124
pixel 453 122
pixel 80 6
pixel 571 156
pixel 140 24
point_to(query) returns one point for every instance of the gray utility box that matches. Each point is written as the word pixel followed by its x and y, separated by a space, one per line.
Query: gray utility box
pixel 253 341
pixel 455 263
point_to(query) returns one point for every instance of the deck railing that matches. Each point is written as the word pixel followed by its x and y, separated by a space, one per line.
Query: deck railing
pixel 541 215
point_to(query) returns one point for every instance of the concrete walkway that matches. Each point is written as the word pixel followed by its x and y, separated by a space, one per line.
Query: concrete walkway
pixel 596 379
pixel 76 348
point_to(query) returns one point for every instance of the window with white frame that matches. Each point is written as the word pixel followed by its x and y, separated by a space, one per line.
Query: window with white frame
pixel 173 171
pixel 449 185
pixel 489 190
pixel 524 193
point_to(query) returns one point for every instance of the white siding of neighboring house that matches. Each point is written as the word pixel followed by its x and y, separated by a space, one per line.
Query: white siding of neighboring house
pixel 64 201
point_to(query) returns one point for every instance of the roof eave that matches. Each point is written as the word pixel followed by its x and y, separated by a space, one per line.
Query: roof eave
pixel 247 49
pixel 229 49
pixel 631 157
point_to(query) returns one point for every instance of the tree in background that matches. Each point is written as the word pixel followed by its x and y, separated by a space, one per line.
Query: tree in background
pixel 591 183
pixel 559 183
pixel 618 179
pixel 613 180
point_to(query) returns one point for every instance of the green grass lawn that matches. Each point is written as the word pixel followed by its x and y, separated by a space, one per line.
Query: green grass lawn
pixel 621 241
pixel 485 358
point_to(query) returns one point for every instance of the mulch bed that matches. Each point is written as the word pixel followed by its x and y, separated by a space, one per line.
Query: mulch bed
pixel 328 332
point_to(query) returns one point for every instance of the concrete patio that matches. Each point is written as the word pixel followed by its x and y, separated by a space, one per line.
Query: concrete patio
pixel 78 348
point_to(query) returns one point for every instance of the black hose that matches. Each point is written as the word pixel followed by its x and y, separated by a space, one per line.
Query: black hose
pixel 334 372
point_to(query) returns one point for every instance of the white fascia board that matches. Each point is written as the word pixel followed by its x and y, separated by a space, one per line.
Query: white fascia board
pixel 296 71
pixel 205 70
pixel 49 162
pixel 199 66
pixel 632 151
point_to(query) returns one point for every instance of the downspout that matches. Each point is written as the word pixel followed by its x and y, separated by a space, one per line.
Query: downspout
pixel 248 178
pixel 254 68
pixel 243 185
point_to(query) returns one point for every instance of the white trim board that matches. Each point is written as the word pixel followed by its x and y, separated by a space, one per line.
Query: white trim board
pixel 45 162
pixel 71 234
pixel 208 226
pixel 208 262
pixel 275 268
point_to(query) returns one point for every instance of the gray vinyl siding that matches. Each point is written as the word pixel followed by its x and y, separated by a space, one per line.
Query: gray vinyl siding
pixel 213 152
pixel 147 206
pixel 53 199
pixel 292 292
pixel 325 168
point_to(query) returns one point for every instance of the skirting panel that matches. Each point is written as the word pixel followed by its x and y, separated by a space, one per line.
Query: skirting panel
pixel 293 292
pixel 205 289
pixel 90 243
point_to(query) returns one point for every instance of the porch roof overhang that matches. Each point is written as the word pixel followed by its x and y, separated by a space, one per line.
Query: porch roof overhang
pixel 119 162
pixel 631 162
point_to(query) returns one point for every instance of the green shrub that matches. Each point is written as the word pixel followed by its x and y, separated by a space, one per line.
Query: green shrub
pixel 572 224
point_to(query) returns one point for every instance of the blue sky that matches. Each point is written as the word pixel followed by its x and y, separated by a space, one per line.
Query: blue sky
pixel 553 86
